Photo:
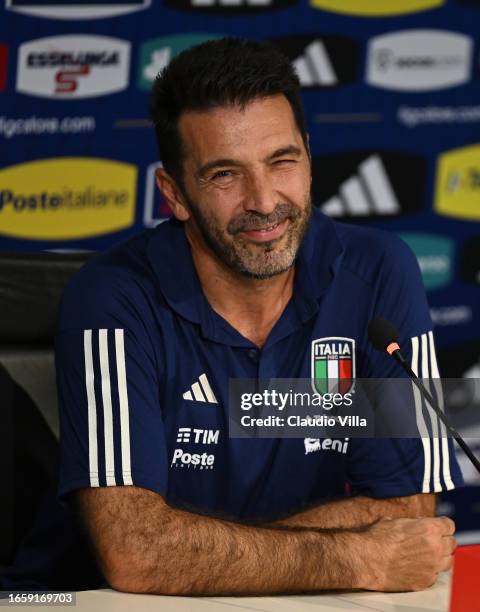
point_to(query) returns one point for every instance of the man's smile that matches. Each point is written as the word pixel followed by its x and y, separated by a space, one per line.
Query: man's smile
pixel 271 232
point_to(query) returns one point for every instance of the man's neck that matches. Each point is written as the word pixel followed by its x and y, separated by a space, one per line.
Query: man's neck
pixel 250 305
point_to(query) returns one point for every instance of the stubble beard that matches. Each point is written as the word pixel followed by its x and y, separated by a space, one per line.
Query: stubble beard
pixel 255 260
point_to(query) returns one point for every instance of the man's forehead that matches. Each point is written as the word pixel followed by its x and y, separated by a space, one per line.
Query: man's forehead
pixel 264 121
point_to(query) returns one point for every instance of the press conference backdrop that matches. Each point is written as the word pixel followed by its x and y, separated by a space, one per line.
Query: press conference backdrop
pixel 392 95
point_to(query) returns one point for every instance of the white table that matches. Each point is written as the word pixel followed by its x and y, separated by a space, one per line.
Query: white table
pixel 436 598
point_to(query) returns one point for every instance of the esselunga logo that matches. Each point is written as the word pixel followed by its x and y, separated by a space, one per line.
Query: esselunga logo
pixel 67 198
pixel 434 254
pixel 457 185
pixel 65 9
pixel 419 60
pixel 156 54
pixel 73 66
pixel 376 8
pixel 321 60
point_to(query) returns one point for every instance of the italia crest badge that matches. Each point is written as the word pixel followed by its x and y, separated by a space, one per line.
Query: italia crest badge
pixel 333 365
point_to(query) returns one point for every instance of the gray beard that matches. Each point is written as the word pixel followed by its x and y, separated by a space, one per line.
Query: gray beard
pixel 262 261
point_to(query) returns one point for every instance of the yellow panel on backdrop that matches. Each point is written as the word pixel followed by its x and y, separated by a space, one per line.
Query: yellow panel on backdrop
pixel 457 187
pixel 376 8
pixel 67 198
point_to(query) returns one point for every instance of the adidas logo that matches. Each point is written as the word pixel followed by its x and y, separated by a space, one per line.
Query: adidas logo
pixel 201 391
pixel 314 66
pixel 369 193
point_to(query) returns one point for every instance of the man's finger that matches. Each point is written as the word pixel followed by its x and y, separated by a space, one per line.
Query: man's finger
pixel 447 525
pixel 449 544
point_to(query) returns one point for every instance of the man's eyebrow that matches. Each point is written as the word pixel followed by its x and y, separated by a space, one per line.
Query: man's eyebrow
pixel 289 150
pixel 216 163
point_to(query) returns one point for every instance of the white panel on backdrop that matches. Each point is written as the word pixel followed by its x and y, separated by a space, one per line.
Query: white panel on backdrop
pixel 419 60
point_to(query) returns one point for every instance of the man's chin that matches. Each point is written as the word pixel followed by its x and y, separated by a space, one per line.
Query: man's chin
pixel 264 272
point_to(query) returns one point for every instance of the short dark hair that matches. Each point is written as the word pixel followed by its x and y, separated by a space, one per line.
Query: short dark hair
pixel 228 71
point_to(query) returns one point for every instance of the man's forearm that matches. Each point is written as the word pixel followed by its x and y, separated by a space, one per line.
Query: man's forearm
pixel 361 510
pixel 170 551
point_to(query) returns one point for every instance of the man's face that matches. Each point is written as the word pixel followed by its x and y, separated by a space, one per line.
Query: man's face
pixel 246 185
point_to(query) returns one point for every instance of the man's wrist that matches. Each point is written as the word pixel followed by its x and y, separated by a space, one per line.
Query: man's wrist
pixel 342 560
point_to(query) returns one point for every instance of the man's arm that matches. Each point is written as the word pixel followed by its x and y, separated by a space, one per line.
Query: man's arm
pixel 145 546
pixel 361 510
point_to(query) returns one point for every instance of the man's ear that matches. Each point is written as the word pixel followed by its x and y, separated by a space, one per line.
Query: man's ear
pixel 172 194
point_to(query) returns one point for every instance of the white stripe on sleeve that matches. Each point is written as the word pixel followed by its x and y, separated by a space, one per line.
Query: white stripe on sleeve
pixel 107 407
pixel 92 409
pixel 437 485
pixel 435 375
pixel 422 428
pixel 124 409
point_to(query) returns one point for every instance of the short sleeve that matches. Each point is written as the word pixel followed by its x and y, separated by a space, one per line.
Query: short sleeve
pixel 386 467
pixel 111 427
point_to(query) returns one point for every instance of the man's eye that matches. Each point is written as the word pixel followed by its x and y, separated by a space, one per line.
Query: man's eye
pixel 285 161
pixel 222 174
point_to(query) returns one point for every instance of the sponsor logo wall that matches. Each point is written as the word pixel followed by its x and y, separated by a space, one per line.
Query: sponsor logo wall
pixel 392 99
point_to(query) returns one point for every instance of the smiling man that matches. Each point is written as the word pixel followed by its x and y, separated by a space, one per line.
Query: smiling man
pixel 245 281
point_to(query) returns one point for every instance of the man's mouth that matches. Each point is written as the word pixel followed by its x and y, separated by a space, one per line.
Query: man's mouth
pixel 267 233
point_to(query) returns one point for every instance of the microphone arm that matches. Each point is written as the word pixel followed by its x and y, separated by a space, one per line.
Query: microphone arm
pixel 399 358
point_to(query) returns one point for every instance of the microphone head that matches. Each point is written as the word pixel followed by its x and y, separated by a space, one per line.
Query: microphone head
pixel 382 333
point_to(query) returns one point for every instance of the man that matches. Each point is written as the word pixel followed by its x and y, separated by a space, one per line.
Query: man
pixel 240 284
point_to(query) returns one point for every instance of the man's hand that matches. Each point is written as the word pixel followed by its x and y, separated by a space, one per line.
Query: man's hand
pixel 407 554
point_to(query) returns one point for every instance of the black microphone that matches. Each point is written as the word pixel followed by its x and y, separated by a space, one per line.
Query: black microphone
pixel 384 337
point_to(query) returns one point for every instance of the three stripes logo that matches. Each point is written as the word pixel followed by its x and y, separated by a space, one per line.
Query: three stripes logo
pixel 321 61
pixel 362 185
pixel 201 391
pixel 333 365
pixel 228 7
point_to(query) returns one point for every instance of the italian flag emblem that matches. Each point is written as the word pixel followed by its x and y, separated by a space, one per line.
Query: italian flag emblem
pixel 333 365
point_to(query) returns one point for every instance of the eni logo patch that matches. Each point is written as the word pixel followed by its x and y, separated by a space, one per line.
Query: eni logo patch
pixel 67 198
pixel 457 188
pixel 376 8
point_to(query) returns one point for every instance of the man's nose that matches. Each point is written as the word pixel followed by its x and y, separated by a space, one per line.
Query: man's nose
pixel 261 196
